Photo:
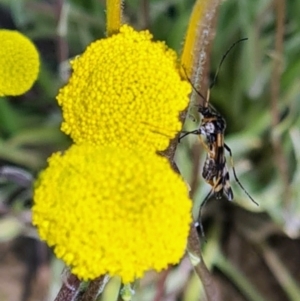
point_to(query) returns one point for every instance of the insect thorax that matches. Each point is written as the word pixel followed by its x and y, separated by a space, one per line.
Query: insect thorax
pixel 212 123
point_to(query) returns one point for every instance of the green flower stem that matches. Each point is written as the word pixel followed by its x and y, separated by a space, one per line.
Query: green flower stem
pixel 238 279
pixel 114 9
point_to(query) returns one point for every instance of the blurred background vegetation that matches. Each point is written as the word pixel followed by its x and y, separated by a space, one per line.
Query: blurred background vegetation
pixel 253 252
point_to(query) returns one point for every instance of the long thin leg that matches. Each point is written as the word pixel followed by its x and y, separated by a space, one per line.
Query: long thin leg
pixel 235 176
pixel 195 132
pixel 200 213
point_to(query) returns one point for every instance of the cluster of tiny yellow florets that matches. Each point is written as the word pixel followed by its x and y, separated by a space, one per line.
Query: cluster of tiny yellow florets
pixel 19 63
pixel 124 91
pixel 107 205
pixel 111 210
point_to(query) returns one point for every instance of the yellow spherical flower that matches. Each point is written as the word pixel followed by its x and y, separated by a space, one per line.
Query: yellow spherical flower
pixel 112 210
pixel 19 63
pixel 125 90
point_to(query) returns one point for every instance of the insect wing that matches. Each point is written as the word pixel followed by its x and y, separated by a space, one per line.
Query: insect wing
pixel 227 191
pixel 223 186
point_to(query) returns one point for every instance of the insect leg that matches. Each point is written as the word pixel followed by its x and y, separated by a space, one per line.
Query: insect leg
pixel 200 212
pixel 235 176
pixel 195 132
pixel 204 144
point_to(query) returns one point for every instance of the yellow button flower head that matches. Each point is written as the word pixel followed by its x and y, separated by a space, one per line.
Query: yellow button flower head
pixel 125 90
pixel 112 210
pixel 19 63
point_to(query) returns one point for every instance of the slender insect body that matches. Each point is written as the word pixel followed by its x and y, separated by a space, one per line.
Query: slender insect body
pixel 211 134
pixel 215 172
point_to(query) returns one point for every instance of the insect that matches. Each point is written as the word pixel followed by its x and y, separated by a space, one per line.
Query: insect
pixel 211 134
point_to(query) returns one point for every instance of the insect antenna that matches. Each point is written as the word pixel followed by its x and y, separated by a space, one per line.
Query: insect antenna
pixel 235 176
pixel 193 86
pixel 222 60
pixel 196 132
